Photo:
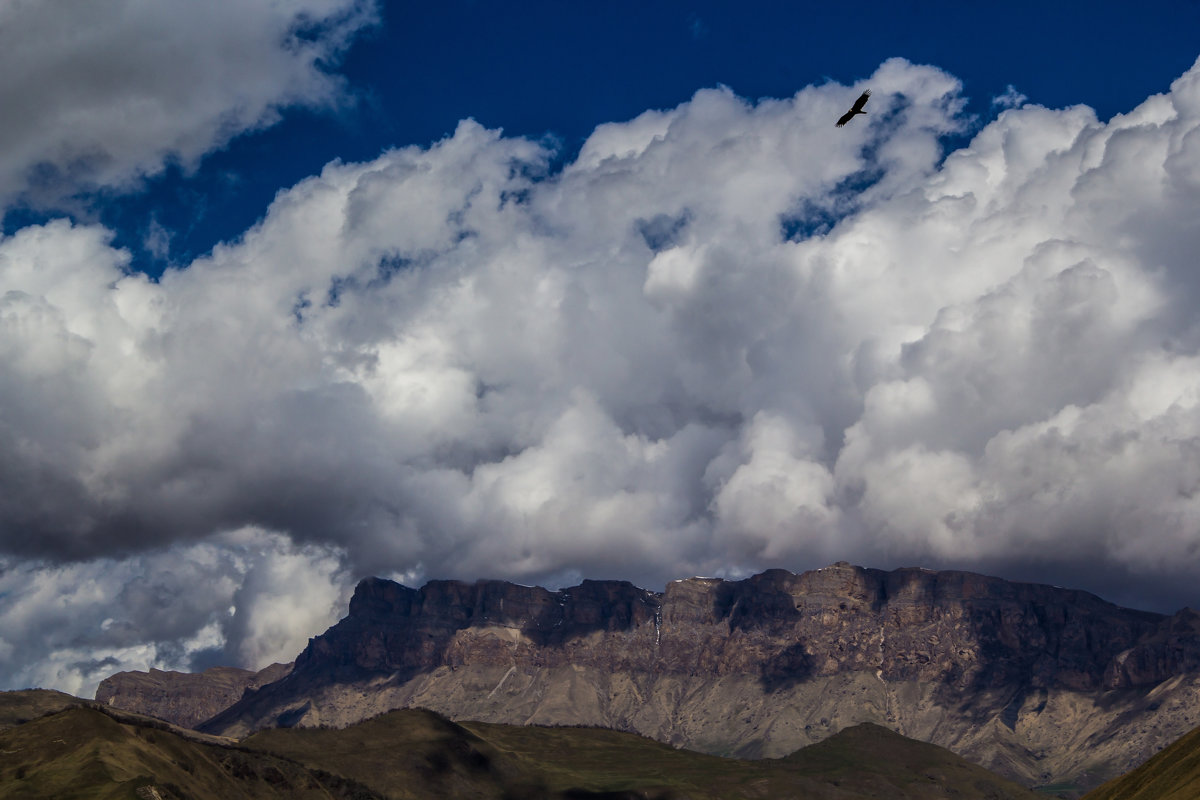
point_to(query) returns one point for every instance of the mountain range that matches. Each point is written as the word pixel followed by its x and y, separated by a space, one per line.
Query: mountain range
pixel 73 748
pixel 1043 685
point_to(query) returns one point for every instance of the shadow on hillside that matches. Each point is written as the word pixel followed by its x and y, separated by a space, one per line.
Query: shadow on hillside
pixel 785 669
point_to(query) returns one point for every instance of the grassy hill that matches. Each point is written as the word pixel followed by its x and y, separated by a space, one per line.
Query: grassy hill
pixel 1173 774
pixel 20 707
pixel 83 752
pixel 75 749
pixel 405 754
pixel 491 760
pixel 877 762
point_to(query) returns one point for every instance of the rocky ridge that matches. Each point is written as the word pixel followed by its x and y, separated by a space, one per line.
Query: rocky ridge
pixel 184 698
pixel 1038 683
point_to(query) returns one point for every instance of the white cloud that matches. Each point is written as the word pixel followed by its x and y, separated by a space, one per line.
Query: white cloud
pixel 771 492
pixel 100 93
pixel 448 363
pixel 247 596
pixel 1009 98
pixel 286 593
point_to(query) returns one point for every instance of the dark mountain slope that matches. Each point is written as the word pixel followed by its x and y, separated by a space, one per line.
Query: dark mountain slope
pixel 480 759
pixel 20 707
pixel 1173 774
pixel 84 751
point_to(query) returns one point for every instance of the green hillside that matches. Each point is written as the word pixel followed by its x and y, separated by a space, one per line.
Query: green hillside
pixel 877 762
pixel 1173 774
pixel 491 760
pixel 404 754
pixel 19 707
pixel 82 752
pixel 87 751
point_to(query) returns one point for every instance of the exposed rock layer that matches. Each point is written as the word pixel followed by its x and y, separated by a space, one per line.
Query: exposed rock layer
pixel 1039 683
pixel 183 698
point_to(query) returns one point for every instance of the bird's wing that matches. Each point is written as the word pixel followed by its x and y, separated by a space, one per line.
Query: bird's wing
pixel 862 100
pixel 849 115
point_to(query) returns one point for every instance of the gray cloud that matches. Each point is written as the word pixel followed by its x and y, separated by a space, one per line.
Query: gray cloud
pixel 100 93
pixel 243 596
pixel 448 362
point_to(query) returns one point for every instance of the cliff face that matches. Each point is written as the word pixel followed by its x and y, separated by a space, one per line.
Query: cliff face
pixel 183 698
pixel 392 628
pixel 1036 682
pixel 965 631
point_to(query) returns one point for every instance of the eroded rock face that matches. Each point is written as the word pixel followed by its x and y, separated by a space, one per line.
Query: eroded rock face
pixel 1033 681
pixel 963 630
pixel 392 628
pixel 186 699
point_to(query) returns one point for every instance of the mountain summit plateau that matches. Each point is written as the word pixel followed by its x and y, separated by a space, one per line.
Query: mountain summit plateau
pixel 1038 683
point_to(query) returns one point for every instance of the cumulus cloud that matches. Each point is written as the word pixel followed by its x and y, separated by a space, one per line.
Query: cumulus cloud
pixel 101 93
pixel 247 597
pixel 728 336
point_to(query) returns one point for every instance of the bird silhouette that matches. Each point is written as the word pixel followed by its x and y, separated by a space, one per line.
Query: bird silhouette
pixel 857 108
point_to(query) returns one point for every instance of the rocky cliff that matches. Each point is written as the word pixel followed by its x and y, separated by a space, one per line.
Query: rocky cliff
pixel 183 698
pixel 1039 683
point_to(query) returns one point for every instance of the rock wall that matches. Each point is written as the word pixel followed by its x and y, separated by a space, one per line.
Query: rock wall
pixel 1037 682
pixel 184 698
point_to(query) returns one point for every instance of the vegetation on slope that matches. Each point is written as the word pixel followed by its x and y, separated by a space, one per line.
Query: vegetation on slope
pixel 1173 774
pixel 411 753
pixel 83 752
pixel 418 754
pixel 20 707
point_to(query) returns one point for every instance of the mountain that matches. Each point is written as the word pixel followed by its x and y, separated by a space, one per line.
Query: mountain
pixel 17 708
pixel 1041 684
pixel 865 761
pixel 1173 774
pixel 184 698
pixel 83 751
pixel 89 750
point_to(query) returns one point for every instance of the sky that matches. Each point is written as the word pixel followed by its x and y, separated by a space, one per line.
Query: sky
pixel 294 293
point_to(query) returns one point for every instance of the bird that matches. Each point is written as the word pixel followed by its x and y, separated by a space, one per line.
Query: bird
pixel 856 109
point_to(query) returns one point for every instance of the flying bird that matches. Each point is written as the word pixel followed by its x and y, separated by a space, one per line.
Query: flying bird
pixel 856 109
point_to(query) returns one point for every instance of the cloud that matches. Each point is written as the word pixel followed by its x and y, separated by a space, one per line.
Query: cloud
pixel 1009 98
pixel 245 596
pixel 129 86
pixel 728 336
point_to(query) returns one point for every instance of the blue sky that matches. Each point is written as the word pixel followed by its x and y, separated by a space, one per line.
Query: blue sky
pixel 559 69
pixel 295 293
